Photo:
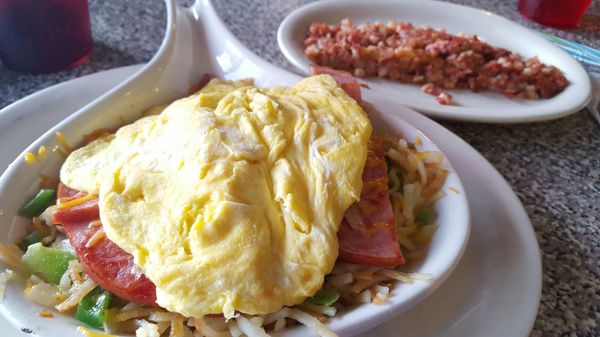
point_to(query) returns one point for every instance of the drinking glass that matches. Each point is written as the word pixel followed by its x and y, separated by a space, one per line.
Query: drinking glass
pixel 554 13
pixel 42 36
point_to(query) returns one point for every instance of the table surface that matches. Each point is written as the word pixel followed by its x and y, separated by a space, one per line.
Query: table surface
pixel 554 166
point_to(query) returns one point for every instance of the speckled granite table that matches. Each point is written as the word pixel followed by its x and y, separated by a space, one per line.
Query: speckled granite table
pixel 553 166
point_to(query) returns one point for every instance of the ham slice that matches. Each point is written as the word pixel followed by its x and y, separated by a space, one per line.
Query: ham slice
pixel 343 78
pixel 105 262
pixel 367 235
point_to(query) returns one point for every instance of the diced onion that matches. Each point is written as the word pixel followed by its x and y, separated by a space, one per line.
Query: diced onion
pixel 45 294
pixel 381 294
pixel 146 329
pixel 364 297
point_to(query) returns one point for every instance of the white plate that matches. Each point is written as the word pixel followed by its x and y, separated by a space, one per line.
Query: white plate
pixel 495 289
pixel 496 30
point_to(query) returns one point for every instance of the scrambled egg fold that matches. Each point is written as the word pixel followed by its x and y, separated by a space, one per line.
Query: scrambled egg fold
pixel 231 199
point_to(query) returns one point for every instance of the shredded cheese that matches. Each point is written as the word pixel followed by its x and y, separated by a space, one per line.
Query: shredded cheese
pixel 76 202
pixel 46 314
pixel 46 181
pixel 89 333
pixel 42 152
pixel 29 158
pixel 63 142
pixel 95 223
pixel 146 329
pixel 99 235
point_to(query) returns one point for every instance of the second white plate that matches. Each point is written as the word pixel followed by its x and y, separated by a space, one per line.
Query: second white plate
pixel 494 29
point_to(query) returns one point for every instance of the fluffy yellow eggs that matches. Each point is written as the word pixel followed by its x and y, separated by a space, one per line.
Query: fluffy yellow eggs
pixel 230 199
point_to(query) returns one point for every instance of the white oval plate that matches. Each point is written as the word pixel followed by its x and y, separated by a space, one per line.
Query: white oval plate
pixel 494 290
pixel 494 29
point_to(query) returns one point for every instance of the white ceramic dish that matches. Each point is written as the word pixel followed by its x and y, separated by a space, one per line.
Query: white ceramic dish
pixel 496 30
pixel 494 290
pixel 189 50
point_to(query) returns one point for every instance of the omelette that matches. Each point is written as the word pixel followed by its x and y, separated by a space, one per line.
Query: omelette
pixel 231 199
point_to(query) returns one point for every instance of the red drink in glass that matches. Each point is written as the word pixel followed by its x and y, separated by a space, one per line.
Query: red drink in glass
pixel 554 13
pixel 41 36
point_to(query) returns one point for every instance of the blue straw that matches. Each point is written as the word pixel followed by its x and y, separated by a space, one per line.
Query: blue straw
pixel 579 51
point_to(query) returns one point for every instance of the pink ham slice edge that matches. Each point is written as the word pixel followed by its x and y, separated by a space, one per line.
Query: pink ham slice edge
pixel 371 237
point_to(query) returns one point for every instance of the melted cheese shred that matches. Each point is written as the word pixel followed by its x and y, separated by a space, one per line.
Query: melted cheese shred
pixel 230 199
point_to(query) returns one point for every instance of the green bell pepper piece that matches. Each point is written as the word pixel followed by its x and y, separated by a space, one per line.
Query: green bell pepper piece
pixel 424 217
pixel 33 237
pixel 48 263
pixel 325 296
pixel 38 204
pixel 92 308
pixel 395 170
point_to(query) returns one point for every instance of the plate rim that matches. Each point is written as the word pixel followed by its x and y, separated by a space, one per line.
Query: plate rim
pixel 582 95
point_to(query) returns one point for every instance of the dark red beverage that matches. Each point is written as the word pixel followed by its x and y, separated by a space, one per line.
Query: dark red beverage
pixel 41 36
pixel 554 13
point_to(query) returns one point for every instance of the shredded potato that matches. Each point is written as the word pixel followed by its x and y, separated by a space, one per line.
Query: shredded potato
pixel 75 269
pixel 177 327
pixel 78 292
pixel 133 313
pixel 250 328
pixel 206 330
pixel 312 323
pixel 234 329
